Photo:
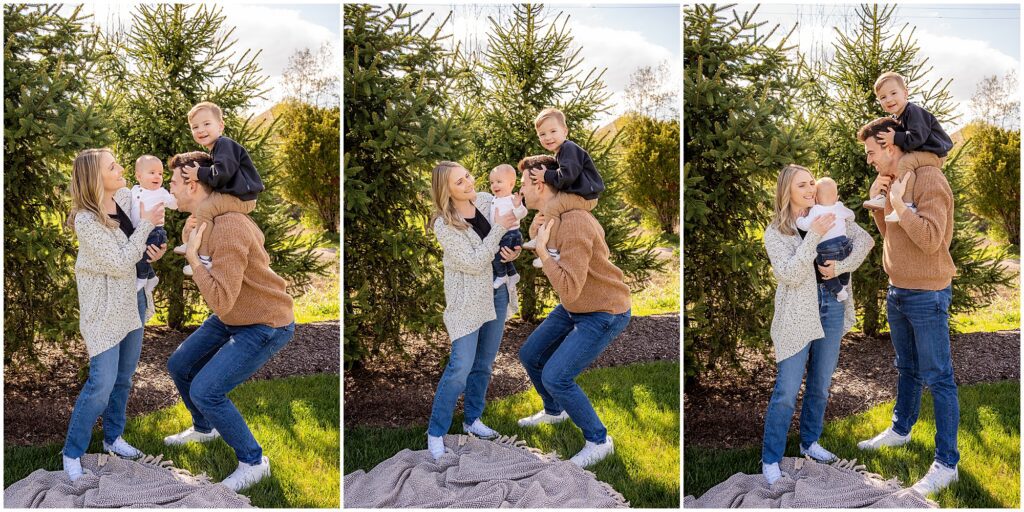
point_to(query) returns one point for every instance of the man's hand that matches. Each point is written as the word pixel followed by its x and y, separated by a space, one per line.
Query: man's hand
pixel 192 249
pixel 542 241
pixel 880 185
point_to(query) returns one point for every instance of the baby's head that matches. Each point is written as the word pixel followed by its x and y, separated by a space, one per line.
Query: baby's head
pixel 891 92
pixel 149 171
pixel 503 180
pixel 206 122
pixel 826 193
pixel 551 129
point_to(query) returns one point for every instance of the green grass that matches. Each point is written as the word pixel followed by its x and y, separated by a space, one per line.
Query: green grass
pixel 295 420
pixel 319 301
pixel 639 404
pixel 989 443
pixel 1003 313
pixel 661 295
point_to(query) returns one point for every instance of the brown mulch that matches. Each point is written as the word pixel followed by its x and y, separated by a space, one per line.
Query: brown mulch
pixel 396 391
pixel 37 404
pixel 727 411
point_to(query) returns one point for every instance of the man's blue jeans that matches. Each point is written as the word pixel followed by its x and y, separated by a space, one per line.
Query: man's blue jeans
pixel 919 328
pixel 469 370
pixel 212 361
pixel 106 390
pixel 819 358
pixel 561 347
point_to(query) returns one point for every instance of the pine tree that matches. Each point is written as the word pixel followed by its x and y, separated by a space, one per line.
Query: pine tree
pixel 309 155
pixel 740 129
pixel 651 163
pixel 529 64
pixel 843 87
pixel 50 113
pixel 397 80
pixel 173 57
pixel 994 176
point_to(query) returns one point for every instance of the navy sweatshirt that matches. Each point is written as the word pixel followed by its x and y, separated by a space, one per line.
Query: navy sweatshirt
pixel 921 132
pixel 576 172
pixel 232 171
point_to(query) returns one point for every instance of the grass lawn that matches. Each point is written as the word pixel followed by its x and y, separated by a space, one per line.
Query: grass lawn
pixel 319 300
pixel 1003 313
pixel 639 404
pixel 295 420
pixel 989 443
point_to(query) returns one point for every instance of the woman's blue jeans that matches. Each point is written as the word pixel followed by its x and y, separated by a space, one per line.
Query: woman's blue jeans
pixel 561 347
pixel 106 391
pixel 818 359
pixel 919 328
pixel 469 370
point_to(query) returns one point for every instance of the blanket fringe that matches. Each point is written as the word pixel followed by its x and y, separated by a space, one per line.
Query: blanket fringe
pixel 159 462
pixel 850 465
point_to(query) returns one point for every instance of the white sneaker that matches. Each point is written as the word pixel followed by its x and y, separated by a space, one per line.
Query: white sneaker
pixel 842 295
pixel 190 435
pixel 436 446
pixel 938 478
pixel 151 284
pixel 246 475
pixel 543 417
pixel 593 453
pixel 886 438
pixel 816 452
pixel 875 203
pixel 181 249
pixel 771 472
pixel 531 245
pixel 480 430
pixel 73 468
pixel 187 270
pixel 537 263
pixel 206 261
pixel 892 217
pixel 498 281
pixel 122 449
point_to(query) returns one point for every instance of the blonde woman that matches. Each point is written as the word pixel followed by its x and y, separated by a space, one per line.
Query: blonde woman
pixel 112 305
pixel 475 311
pixel 809 321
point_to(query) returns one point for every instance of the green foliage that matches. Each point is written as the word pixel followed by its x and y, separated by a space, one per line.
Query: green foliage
pixel 177 56
pixel 843 87
pixel 993 172
pixel 51 111
pixel 308 156
pixel 397 84
pixel 739 132
pixel 530 64
pixel 651 165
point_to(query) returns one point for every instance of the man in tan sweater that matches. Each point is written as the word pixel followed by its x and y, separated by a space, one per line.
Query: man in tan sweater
pixel 594 309
pixel 916 257
pixel 252 319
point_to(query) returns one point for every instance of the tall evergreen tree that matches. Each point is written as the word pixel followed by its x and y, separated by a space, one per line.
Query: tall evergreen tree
pixel 397 80
pixel 50 113
pixel 740 128
pixel 650 161
pixel 843 87
pixel 528 64
pixel 994 175
pixel 309 156
pixel 173 57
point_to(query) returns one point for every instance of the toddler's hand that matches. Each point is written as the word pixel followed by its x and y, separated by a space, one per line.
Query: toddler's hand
pixel 537 175
pixel 886 138
pixel 190 172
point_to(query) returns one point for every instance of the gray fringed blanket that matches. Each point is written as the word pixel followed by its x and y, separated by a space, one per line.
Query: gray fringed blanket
pixel 810 484
pixel 478 474
pixel 147 483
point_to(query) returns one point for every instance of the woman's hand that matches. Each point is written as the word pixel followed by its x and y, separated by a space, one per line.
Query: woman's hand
pixel 156 252
pixel 828 270
pixel 192 249
pixel 507 219
pixel 155 216
pixel 509 254
pixel 823 223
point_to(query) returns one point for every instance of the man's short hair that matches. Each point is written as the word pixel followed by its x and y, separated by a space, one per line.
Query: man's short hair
pixel 550 113
pixel 546 162
pixel 206 105
pixel 889 75
pixel 872 129
pixel 201 158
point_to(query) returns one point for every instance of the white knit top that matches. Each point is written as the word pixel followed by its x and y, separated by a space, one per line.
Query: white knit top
pixel 468 292
pixel 105 273
pixel 797 319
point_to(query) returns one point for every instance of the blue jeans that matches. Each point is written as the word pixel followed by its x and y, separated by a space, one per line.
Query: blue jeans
pixel 212 361
pixel 469 370
pixel 561 347
pixel 143 269
pixel 837 249
pixel 919 328
pixel 819 358
pixel 511 239
pixel 106 391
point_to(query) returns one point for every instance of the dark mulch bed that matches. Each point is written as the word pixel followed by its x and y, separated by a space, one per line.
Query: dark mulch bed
pixel 727 410
pixel 37 404
pixel 396 391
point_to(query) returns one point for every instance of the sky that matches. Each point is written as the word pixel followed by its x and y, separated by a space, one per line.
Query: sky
pixel 619 37
pixel 962 42
pixel 278 30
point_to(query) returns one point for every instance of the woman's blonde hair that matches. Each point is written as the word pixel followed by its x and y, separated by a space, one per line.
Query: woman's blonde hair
pixel 86 187
pixel 784 220
pixel 444 207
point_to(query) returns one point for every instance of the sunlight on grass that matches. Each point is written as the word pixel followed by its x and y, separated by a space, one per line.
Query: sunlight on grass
pixel 661 295
pixel 1003 313
pixel 319 301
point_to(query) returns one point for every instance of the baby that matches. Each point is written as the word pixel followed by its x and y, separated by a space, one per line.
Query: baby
pixel 503 180
pixel 834 245
pixel 149 171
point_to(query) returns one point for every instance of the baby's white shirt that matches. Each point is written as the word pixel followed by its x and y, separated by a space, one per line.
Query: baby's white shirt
pixel 502 205
pixel 149 198
pixel 839 229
